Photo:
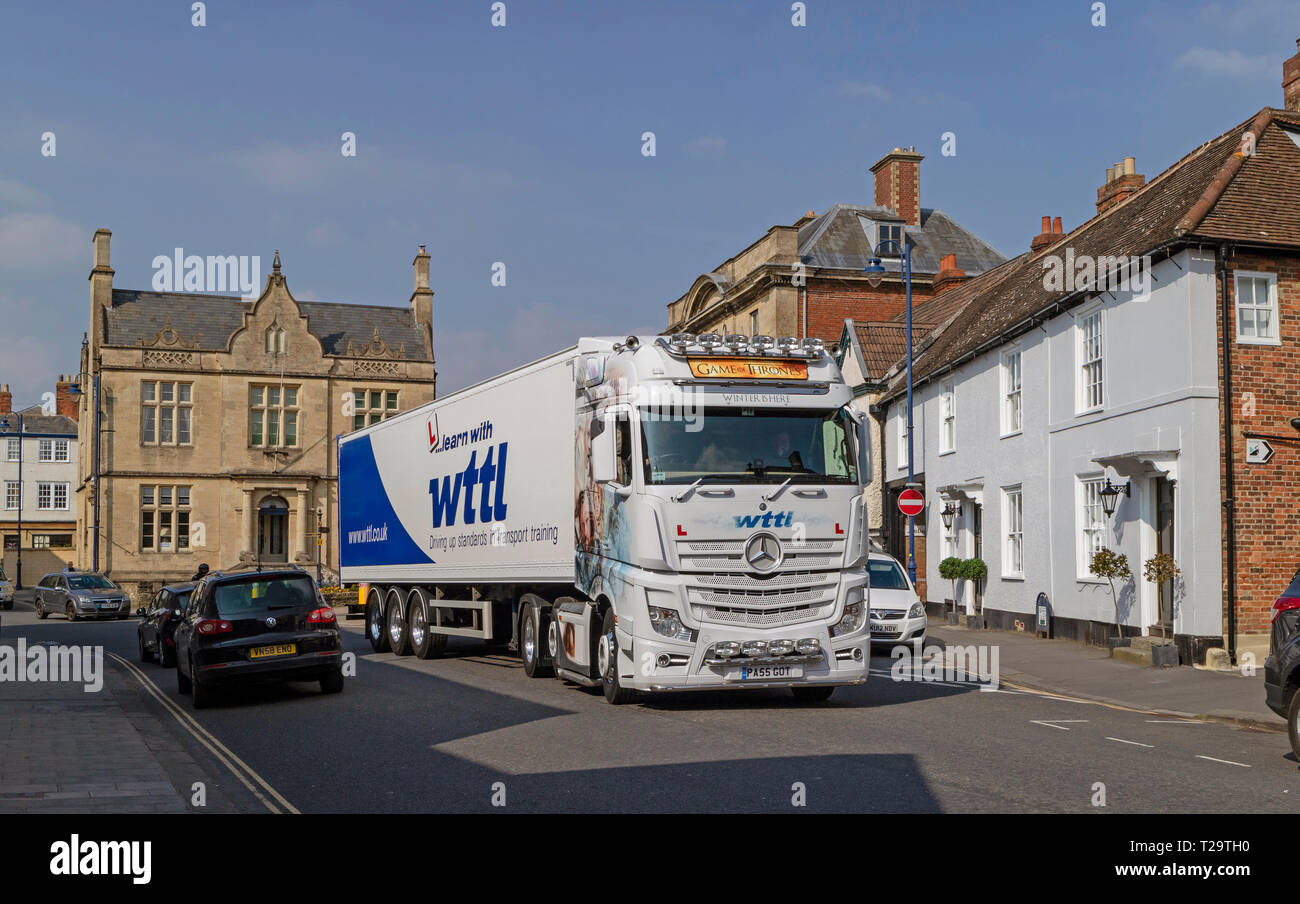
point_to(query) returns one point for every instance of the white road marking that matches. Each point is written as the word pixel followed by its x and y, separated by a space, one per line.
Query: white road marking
pixel 1217 760
pixel 1134 743
pixel 1175 722
pixel 1052 723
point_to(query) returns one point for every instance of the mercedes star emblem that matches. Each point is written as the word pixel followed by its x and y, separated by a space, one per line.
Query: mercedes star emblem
pixel 763 552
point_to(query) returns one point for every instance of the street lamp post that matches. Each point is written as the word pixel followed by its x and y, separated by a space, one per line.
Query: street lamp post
pixel 875 272
pixel 76 391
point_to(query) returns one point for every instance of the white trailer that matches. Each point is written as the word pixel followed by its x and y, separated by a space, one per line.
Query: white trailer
pixel 648 514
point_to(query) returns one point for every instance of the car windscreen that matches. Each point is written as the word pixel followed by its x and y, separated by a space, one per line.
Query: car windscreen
pixel 182 600
pixel 886 576
pixel 90 582
pixel 240 599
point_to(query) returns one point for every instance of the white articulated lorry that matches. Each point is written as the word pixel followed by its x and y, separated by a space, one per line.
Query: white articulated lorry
pixel 645 514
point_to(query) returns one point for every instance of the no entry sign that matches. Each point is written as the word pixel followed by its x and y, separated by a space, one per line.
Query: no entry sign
pixel 911 502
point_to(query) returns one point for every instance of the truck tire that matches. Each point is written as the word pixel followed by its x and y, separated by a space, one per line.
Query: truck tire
pixel 376 621
pixel 424 642
pixel 399 630
pixel 814 694
pixel 534 622
pixel 1293 721
pixel 607 662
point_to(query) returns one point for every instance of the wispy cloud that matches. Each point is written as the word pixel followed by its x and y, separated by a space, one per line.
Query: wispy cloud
pixel 1231 63
pixel 868 90
pixel 15 194
pixel 34 241
pixel 708 144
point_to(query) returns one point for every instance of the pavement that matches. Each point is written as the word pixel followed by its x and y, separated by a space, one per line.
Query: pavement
pixel 1073 669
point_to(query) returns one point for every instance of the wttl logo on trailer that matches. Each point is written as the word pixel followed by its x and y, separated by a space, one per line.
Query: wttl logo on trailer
pixel 490 480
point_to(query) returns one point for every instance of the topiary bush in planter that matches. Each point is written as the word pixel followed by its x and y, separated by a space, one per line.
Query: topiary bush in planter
pixel 974 570
pixel 950 570
pixel 1113 566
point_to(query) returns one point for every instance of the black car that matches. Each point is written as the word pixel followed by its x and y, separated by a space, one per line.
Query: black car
pixel 80 594
pixel 266 625
pixel 158 623
pixel 1282 668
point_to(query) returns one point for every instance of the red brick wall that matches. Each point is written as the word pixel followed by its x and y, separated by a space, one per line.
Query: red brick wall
pixel 830 301
pixel 1266 395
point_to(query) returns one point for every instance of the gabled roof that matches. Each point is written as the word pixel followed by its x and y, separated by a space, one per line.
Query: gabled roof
pixel 206 322
pixel 36 422
pixel 1215 192
pixel 838 239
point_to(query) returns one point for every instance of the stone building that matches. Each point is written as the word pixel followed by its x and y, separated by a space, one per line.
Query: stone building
pixel 218 419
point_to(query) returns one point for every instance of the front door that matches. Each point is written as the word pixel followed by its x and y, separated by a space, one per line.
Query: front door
pixel 977 531
pixel 273 530
pixel 1165 544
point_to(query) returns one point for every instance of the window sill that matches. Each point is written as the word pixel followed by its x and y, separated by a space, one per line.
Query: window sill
pixel 1087 411
pixel 1243 340
pixel 1014 577
pixel 1011 434
pixel 1101 582
pixel 947 452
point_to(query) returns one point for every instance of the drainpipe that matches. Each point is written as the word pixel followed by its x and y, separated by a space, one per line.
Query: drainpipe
pixel 1229 502
pixel 804 328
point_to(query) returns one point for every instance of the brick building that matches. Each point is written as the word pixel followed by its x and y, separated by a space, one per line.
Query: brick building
pixel 218 419
pixel 1153 350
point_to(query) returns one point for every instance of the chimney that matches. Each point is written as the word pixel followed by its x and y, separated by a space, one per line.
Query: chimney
pixel 65 402
pixel 1122 180
pixel 422 297
pixel 1050 234
pixel 898 183
pixel 949 274
pixel 101 287
pixel 6 400
pixel 1291 80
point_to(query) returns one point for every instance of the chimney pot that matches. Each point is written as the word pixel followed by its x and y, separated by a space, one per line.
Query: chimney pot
pixel 1056 226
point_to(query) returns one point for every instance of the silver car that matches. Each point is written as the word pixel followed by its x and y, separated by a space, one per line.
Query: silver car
pixel 6 591
pixel 80 594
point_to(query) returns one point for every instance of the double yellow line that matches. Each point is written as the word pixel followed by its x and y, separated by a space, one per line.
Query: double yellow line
pixel 270 798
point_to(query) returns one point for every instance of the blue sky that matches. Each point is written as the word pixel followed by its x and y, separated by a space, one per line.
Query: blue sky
pixel 523 144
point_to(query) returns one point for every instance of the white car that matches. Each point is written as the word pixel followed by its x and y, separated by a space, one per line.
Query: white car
pixel 6 591
pixel 897 613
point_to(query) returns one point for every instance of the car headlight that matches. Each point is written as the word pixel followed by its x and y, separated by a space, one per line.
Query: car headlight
pixel 855 615
pixel 917 611
pixel 668 623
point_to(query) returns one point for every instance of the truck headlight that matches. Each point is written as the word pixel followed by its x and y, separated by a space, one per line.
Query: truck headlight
pixel 917 611
pixel 855 616
pixel 669 624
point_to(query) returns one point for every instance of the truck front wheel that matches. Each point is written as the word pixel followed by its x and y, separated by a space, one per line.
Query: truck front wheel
pixel 399 629
pixel 376 622
pixel 533 623
pixel 607 663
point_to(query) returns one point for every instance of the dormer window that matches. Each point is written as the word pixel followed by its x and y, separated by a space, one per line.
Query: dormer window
pixel 889 232
pixel 275 340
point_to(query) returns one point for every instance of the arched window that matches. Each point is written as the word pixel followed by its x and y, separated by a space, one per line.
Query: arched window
pixel 275 340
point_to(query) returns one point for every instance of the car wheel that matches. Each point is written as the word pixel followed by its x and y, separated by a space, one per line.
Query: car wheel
pixel 203 694
pixel 399 632
pixel 607 663
pixel 1293 721
pixel 812 694
pixel 183 683
pixel 144 654
pixel 425 642
pixel 166 656
pixel 40 610
pixel 376 628
pixel 332 683
pixel 532 638
pixel 9 604
pixel 70 612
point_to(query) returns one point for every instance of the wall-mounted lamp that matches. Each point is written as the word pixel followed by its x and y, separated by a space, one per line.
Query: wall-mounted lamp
pixel 1110 495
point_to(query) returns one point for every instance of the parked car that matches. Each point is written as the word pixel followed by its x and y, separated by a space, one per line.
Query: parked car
pixel 1282 668
pixel 897 613
pixel 267 625
pixel 80 594
pixel 158 623
pixel 6 590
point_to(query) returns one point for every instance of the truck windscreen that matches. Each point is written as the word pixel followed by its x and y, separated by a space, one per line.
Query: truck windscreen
pixel 749 445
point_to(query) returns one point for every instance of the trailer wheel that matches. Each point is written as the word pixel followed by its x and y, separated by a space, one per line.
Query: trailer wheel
pixel 399 630
pixel 607 662
pixel 534 624
pixel 376 623
pixel 425 642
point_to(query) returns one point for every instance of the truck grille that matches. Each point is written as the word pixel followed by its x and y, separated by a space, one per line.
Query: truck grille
pixel 784 599
pixel 729 555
